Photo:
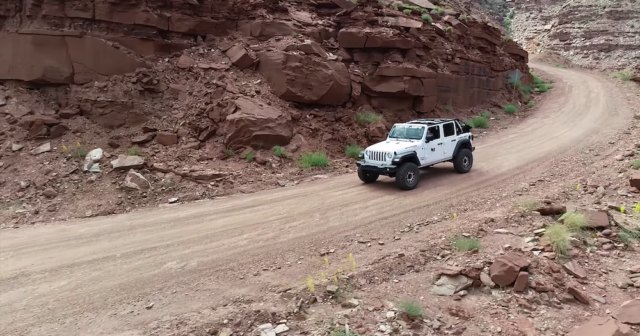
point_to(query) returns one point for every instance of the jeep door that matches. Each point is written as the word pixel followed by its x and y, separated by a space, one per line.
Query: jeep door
pixel 449 139
pixel 433 150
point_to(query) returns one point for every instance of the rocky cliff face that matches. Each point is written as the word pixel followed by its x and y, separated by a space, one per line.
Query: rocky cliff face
pixel 600 34
pixel 196 83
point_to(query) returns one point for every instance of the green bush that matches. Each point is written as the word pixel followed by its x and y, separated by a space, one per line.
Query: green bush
pixel 342 333
pixel 135 151
pixel 574 221
pixel 526 88
pixel 366 118
pixel 531 104
pixel 558 65
pixel 79 153
pixel 478 122
pixel 635 164
pixel 427 18
pixel 352 151
pixel 511 108
pixel 447 108
pixel 317 159
pixel 407 11
pixel 415 8
pixel 537 80
pixel 411 308
pixel 461 243
pixel 229 153
pixel 448 29
pixel 280 152
pixel 623 76
pixel 543 88
pixel 485 114
pixel 558 236
pixel 251 156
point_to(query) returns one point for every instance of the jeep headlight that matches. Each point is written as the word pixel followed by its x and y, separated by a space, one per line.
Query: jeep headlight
pixel 361 155
pixel 389 155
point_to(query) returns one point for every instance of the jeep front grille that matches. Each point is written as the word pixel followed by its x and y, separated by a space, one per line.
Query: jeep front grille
pixel 377 156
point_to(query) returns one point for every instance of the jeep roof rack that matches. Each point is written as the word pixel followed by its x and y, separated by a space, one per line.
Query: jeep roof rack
pixel 429 121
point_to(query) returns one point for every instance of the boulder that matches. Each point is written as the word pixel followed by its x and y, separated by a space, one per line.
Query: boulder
pixel 49 193
pixel 60 59
pixel 167 138
pixel 393 86
pixel 377 131
pixel 264 29
pixel 552 210
pixel 629 312
pixel 58 131
pixel 602 326
pixel 598 219
pixel 240 57
pixel 521 282
pixel 144 138
pixel 46 147
pixel 136 181
pixel 486 280
pixel 456 24
pixel 208 133
pixel 127 162
pixel 573 268
pixel 345 4
pixel 313 48
pixel 68 113
pixel 578 294
pixel 185 62
pixel 306 79
pixel 448 285
pixel 634 181
pixel 401 21
pixel 257 124
pixel 505 269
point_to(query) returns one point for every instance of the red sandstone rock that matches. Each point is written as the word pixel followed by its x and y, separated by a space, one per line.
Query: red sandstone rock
pixel 306 79
pixel 239 57
pixel 257 124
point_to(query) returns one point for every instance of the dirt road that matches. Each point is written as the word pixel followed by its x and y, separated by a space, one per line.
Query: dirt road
pixel 95 277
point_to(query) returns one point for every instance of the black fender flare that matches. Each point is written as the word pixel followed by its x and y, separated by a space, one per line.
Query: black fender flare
pixel 406 157
pixel 464 143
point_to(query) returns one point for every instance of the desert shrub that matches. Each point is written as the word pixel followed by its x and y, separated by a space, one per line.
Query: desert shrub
pixel 427 17
pixel 352 151
pixel 366 118
pixel 558 236
pixel 280 152
pixel 135 151
pixel 558 65
pixel 485 114
pixel 461 243
pixel 407 11
pixel 531 104
pixel 574 221
pixel 411 308
pixel 529 205
pixel 635 164
pixel 511 108
pixel 478 122
pixel 251 156
pixel 316 159
pixel 79 153
pixel 543 88
pixel 623 76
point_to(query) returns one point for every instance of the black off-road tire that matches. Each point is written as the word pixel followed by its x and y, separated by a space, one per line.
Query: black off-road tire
pixel 367 176
pixel 463 162
pixel 408 176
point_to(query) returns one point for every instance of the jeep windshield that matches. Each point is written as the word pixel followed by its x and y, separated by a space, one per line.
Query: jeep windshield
pixel 409 132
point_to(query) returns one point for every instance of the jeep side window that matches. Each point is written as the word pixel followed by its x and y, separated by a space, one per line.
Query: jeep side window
pixel 449 129
pixel 435 130
pixel 458 129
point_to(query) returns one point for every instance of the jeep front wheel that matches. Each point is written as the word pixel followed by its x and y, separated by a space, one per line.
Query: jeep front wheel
pixel 367 176
pixel 408 176
pixel 463 162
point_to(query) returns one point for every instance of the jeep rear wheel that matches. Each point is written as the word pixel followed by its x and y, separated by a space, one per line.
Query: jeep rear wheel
pixel 367 176
pixel 408 176
pixel 463 162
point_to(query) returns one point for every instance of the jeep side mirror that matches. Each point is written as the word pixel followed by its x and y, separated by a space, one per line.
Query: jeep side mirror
pixel 428 138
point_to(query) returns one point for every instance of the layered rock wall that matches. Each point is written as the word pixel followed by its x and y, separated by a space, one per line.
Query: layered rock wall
pixel 601 34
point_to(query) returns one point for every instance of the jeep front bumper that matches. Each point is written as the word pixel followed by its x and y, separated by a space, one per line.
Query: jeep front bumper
pixel 380 169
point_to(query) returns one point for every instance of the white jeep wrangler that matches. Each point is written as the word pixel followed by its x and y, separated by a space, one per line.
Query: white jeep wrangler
pixel 417 144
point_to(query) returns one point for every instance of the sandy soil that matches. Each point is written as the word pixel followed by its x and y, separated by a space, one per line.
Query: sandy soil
pixel 96 276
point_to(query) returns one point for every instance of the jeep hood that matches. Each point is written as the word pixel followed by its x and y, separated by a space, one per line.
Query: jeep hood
pixel 398 146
